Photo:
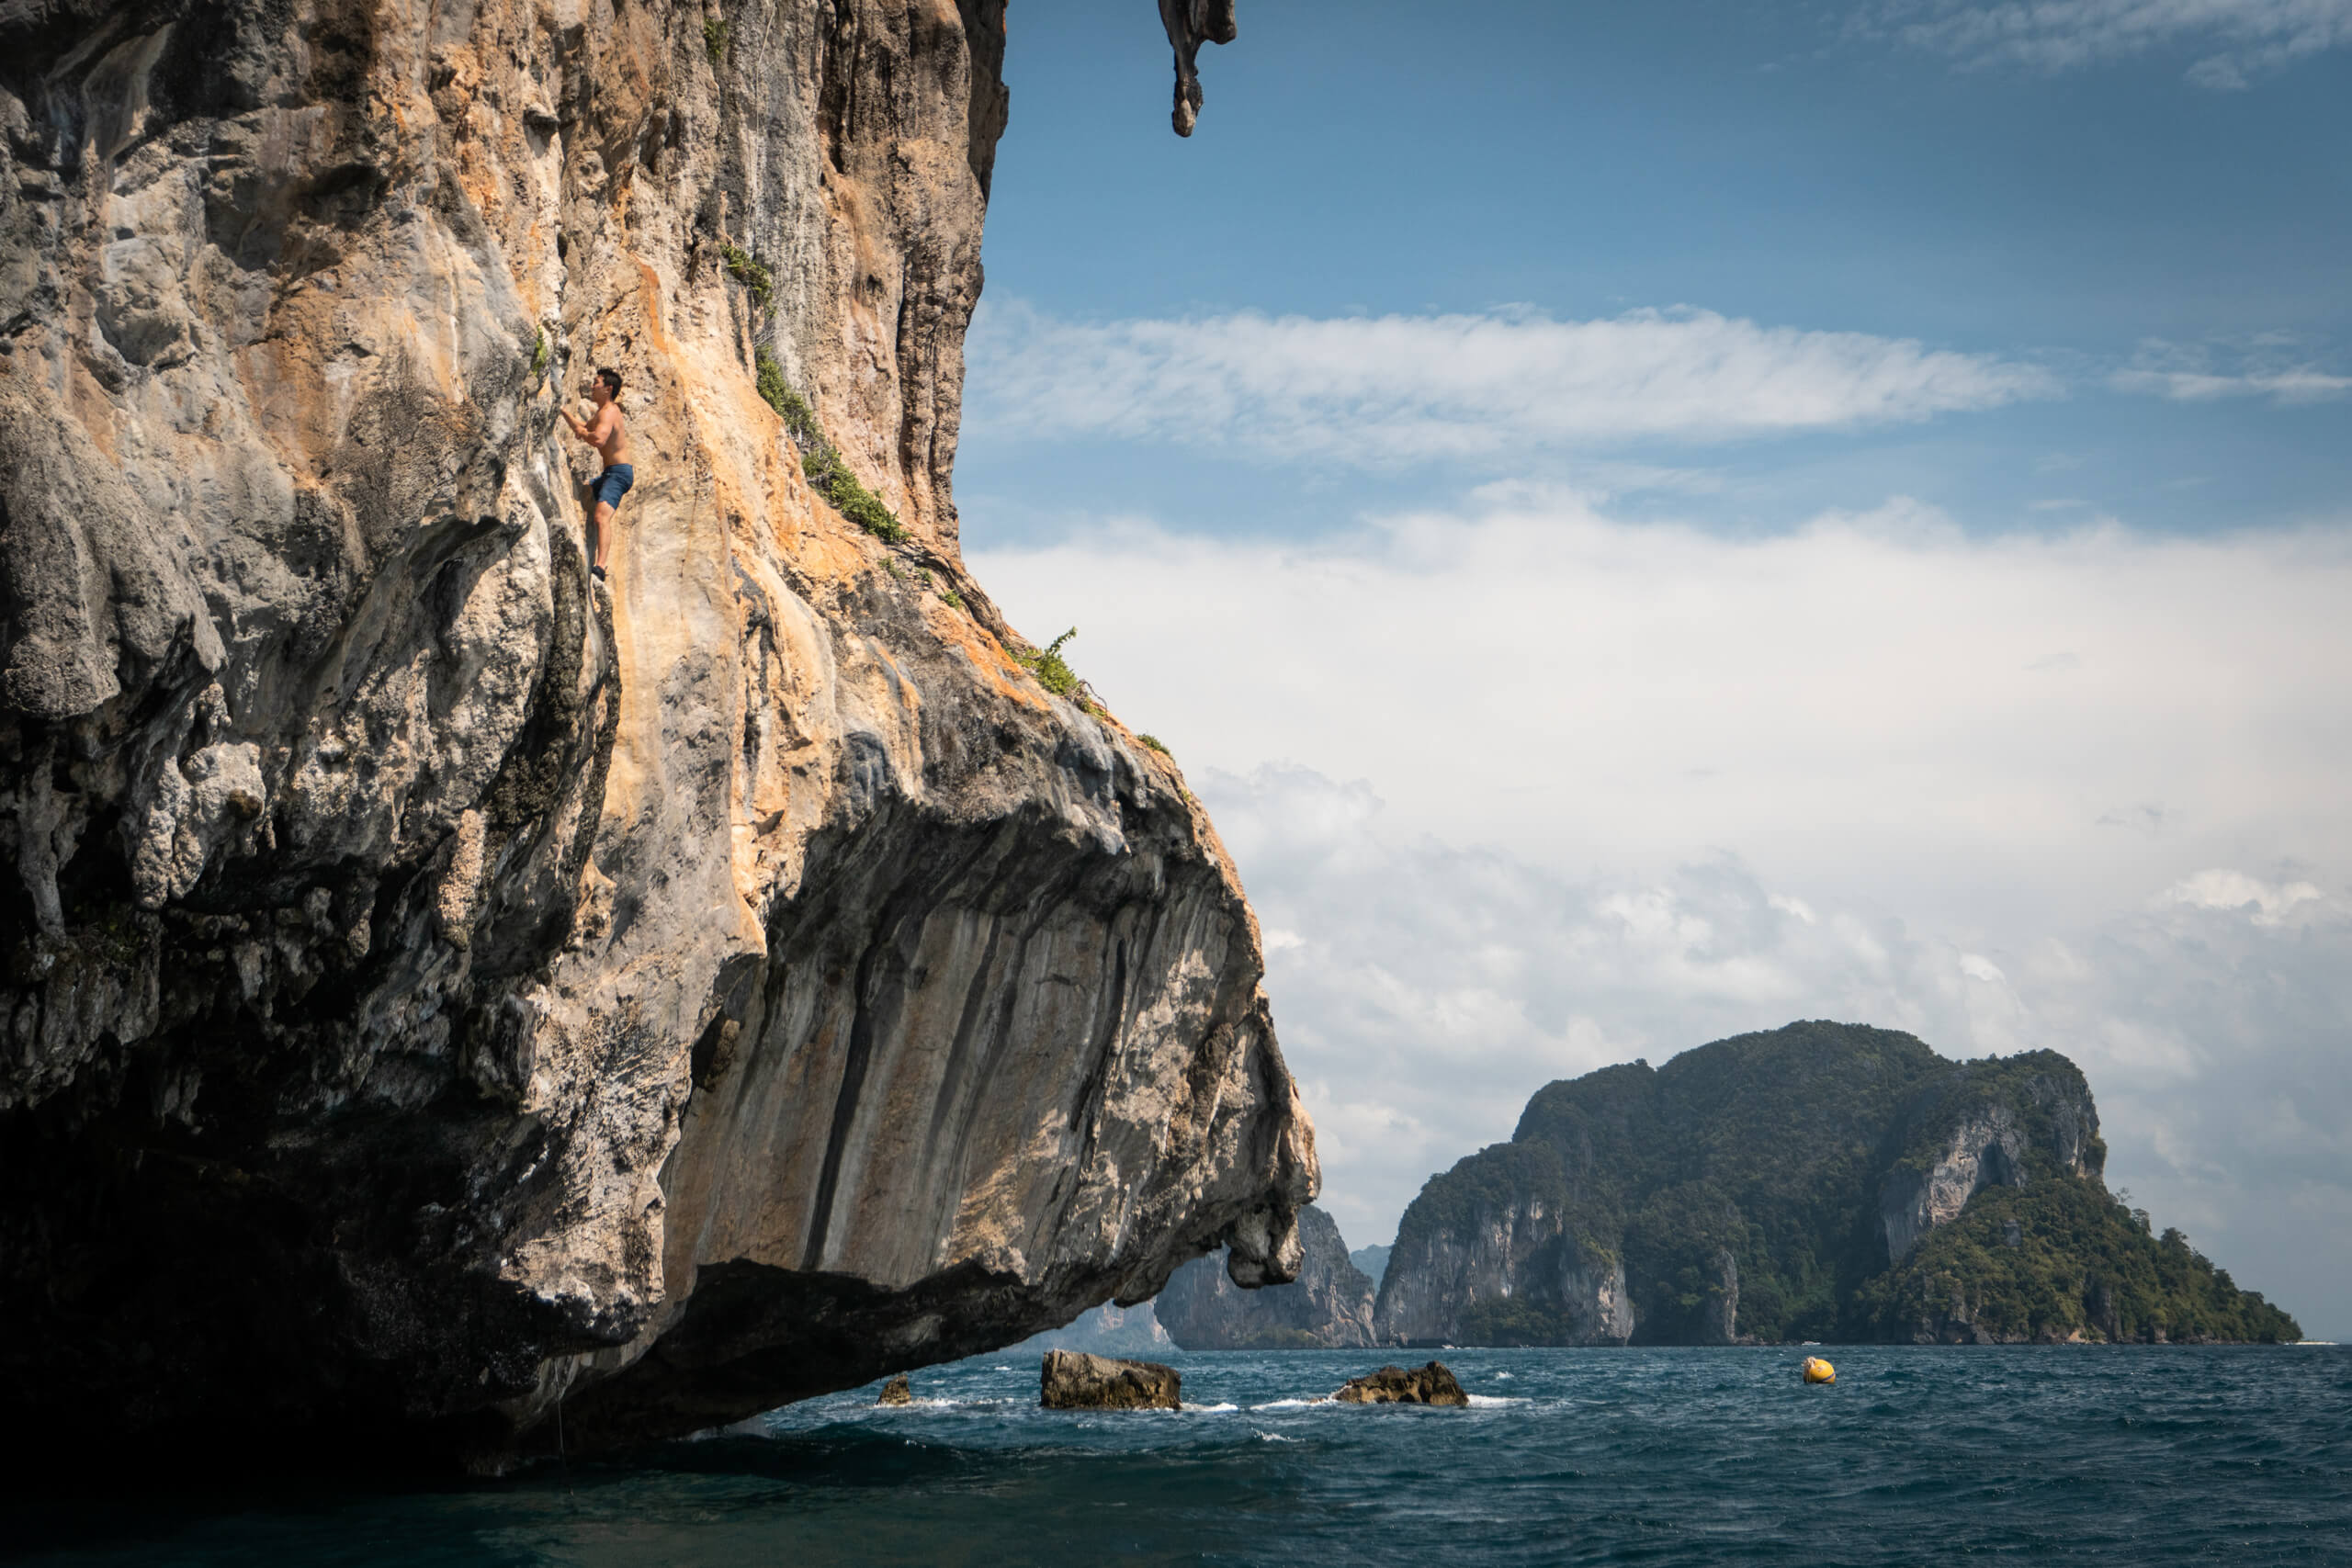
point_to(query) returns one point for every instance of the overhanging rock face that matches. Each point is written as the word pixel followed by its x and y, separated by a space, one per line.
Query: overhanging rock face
pixel 441 984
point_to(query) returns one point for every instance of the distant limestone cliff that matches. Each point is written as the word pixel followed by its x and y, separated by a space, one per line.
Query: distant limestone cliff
pixel 1329 1306
pixel 1822 1181
pixel 450 998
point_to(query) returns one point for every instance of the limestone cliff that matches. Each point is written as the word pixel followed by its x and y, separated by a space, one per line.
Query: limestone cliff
pixel 1329 1306
pixel 1815 1182
pixel 440 985
pixel 1488 1255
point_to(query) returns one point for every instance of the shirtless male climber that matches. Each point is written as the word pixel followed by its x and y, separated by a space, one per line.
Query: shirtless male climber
pixel 609 435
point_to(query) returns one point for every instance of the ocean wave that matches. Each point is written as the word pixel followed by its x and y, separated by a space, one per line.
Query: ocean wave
pixel 1489 1401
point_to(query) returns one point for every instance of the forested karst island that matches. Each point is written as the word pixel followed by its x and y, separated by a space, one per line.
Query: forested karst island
pixel 1821 1181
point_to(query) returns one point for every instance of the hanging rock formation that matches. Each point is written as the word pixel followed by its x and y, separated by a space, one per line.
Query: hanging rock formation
pixel 440 984
pixel 1192 23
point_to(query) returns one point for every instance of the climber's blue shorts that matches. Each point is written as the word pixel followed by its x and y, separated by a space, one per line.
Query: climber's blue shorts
pixel 612 484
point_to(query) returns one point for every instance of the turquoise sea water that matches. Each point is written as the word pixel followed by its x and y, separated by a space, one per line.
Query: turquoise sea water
pixel 1662 1456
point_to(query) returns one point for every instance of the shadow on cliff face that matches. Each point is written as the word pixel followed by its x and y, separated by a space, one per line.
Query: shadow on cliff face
pixel 442 991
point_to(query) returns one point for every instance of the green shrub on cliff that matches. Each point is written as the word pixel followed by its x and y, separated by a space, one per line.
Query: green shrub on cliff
pixel 756 279
pixel 1046 663
pixel 820 460
pixel 850 497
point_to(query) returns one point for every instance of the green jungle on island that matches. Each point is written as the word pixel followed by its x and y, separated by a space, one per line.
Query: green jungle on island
pixel 1749 1191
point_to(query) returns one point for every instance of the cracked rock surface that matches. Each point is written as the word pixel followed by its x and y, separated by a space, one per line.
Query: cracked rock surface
pixel 440 985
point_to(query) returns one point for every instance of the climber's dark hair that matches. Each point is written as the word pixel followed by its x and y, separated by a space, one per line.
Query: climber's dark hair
pixel 610 378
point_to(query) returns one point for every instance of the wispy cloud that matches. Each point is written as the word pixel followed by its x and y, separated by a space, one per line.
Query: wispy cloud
pixel 1389 389
pixel 2302 385
pixel 2268 365
pixel 2234 40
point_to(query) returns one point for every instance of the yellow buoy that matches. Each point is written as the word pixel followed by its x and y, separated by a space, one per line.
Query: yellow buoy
pixel 1818 1371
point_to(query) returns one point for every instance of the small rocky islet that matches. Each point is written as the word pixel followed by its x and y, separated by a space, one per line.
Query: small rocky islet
pixel 1073 1380
pixel 1432 1385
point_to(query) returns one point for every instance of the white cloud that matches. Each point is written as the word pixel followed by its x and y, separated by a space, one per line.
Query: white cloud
pixel 2276 365
pixel 1871 698
pixel 1626 789
pixel 2235 41
pixel 1390 389
pixel 2302 384
pixel 2265 903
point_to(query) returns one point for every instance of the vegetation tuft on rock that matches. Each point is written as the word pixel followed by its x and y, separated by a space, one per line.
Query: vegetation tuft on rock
pixel 756 279
pixel 1046 663
pixel 822 461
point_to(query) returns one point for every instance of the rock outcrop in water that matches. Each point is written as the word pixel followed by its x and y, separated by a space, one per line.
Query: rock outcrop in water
pixel 1071 1380
pixel 439 987
pixel 1328 1307
pixel 1822 1181
pixel 1432 1385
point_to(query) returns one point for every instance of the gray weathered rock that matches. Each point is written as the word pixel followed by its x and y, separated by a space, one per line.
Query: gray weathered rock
pixel 1432 1385
pixel 1329 1306
pixel 440 985
pixel 1192 23
pixel 1072 1379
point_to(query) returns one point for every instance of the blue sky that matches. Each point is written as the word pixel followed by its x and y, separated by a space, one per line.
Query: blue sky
pixel 1643 522
pixel 1765 162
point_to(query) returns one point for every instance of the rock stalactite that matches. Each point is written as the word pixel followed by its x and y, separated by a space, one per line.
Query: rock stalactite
pixel 441 986
pixel 1192 23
